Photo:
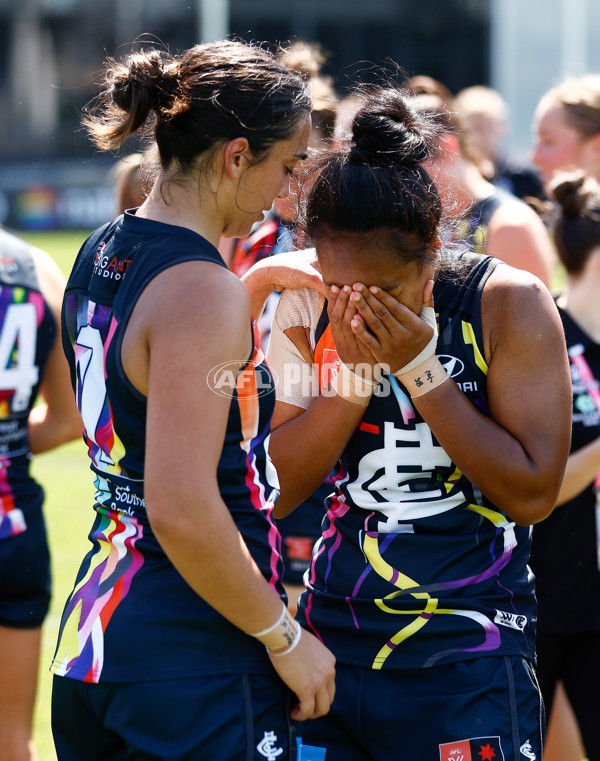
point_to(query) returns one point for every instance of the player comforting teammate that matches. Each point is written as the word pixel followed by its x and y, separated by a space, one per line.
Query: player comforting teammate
pixel 415 637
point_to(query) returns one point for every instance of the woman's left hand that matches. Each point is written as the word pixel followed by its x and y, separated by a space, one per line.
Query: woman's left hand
pixel 291 270
pixel 391 331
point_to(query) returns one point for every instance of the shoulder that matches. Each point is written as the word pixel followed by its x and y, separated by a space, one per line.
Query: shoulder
pixel 516 305
pixel 509 285
pixel 200 286
pixel 50 280
pixel 203 299
pixel 513 213
pixel 518 236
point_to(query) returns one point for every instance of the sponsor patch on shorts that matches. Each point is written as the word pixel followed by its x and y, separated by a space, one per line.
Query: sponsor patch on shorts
pixel 474 749
pixel 511 620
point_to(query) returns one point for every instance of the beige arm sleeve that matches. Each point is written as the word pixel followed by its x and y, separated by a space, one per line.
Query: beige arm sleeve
pixel 295 380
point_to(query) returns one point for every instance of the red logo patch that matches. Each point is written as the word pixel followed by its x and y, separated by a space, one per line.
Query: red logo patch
pixel 474 749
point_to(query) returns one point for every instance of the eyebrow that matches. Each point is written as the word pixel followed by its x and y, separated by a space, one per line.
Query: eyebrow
pixel 302 155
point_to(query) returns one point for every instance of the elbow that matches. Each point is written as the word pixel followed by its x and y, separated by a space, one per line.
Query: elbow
pixel 68 430
pixel 532 509
pixel 175 513
pixel 74 430
pixel 283 508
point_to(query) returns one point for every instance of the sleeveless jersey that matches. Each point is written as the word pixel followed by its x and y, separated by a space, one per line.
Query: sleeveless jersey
pixel 415 567
pixel 131 616
pixel 472 230
pixel 27 333
pixel 565 555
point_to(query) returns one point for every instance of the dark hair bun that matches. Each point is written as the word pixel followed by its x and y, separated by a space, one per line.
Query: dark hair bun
pixel 571 191
pixel 389 130
pixel 146 82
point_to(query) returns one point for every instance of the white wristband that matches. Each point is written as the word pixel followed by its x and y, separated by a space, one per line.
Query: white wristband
pixel 291 647
pixel 281 634
pixel 424 378
pixel 352 387
pixel 258 635
pixel 427 314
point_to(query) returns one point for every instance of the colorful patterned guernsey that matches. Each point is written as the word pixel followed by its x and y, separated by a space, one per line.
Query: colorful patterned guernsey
pixel 412 557
pixel 131 616
pixel 28 332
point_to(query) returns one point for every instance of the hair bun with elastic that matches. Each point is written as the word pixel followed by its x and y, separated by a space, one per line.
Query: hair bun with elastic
pixel 391 132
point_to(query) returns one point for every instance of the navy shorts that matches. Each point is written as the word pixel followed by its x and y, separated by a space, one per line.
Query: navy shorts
pixel 234 717
pixel 25 575
pixel 486 709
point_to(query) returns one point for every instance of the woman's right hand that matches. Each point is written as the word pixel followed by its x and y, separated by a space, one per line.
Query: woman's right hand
pixel 342 313
pixel 309 672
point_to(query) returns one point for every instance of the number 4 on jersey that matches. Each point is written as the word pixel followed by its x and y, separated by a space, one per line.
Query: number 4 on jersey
pixel 18 370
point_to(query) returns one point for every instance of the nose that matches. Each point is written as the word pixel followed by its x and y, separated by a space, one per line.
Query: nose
pixel 535 155
pixel 285 188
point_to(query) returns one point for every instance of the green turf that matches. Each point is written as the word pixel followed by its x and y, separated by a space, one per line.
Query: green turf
pixel 67 480
pixel 62 245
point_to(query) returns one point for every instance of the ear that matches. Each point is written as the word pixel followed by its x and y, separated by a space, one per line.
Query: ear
pixel 450 146
pixel 236 157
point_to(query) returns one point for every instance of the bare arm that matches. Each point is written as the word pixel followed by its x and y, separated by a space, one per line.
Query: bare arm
pixel 306 442
pixel 186 426
pixel 56 420
pixel 582 468
pixel 306 445
pixel 518 237
pixel 295 269
pixel 517 456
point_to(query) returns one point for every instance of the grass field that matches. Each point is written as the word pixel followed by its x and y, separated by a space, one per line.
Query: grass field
pixel 66 478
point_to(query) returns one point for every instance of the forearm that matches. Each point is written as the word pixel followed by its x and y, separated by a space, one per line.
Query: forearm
pixel 47 431
pixel 582 468
pixel 259 286
pixel 522 484
pixel 222 572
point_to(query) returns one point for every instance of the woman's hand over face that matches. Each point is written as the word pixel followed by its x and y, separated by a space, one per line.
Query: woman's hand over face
pixel 381 325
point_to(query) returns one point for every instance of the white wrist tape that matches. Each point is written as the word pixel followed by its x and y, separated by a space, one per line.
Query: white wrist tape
pixel 423 378
pixel 291 647
pixel 283 633
pixel 353 388
pixel 427 314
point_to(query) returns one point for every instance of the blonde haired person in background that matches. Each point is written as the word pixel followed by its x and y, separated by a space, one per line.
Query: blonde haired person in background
pixel 485 117
pixel 566 127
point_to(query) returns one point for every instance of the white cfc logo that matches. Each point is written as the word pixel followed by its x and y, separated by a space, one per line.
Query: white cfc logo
pixel 267 747
pixel 527 751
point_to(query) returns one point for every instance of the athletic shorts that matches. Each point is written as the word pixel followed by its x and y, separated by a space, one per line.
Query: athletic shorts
pixel 234 717
pixel 25 575
pixel 487 709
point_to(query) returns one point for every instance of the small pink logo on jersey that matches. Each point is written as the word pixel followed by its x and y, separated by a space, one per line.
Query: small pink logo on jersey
pixel 111 268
